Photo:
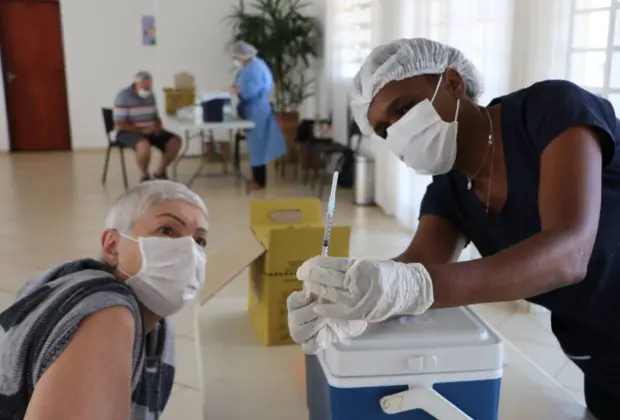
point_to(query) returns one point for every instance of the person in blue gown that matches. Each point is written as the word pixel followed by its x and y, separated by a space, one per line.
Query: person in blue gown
pixel 253 86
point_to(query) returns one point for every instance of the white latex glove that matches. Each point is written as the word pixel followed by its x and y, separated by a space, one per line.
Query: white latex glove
pixel 313 332
pixel 367 290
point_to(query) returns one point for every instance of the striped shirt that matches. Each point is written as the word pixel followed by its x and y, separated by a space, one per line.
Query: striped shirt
pixel 38 327
pixel 131 108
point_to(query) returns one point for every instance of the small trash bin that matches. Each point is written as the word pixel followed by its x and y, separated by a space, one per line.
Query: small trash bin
pixel 364 181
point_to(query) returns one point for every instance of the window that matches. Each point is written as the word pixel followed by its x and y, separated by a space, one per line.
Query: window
pixel 594 58
pixel 353 37
pixel 479 28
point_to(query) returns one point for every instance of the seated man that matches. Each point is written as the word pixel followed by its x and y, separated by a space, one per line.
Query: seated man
pixel 139 126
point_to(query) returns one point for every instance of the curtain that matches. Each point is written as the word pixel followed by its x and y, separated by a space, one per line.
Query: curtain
pixel 348 41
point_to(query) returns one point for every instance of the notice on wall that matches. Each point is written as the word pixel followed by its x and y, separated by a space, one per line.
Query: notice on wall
pixel 149 34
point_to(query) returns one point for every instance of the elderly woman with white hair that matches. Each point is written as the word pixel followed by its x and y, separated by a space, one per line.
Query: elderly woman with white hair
pixel 532 179
pixel 90 338
pixel 253 87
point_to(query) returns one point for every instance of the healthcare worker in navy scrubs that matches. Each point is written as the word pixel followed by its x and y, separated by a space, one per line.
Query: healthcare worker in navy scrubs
pixel 532 179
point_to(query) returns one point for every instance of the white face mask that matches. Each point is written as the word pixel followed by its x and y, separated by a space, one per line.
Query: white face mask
pixel 237 63
pixel 422 140
pixel 173 270
pixel 143 93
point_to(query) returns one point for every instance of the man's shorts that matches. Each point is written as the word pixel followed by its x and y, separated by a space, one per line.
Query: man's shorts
pixel 159 140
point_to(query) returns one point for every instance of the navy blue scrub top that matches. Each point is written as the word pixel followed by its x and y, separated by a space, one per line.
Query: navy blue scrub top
pixel 585 316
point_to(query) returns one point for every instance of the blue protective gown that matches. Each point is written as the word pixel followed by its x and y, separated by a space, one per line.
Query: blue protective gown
pixel 265 140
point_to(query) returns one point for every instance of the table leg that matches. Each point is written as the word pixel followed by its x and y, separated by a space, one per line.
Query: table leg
pixel 224 163
pixel 234 155
pixel 236 160
pixel 181 156
pixel 235 138
pixel 202 160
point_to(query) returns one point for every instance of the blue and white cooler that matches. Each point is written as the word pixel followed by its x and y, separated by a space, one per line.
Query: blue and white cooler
pixel 446 364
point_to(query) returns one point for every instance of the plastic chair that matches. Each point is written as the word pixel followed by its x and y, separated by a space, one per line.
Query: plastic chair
pixel 303 137
pixel 108 122
pixel 329 151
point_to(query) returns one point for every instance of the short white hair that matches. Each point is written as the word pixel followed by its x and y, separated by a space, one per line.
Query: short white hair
pixel 136 201
pixel 142 75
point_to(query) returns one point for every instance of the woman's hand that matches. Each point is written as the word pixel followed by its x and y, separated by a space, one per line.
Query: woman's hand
pixel 314 332
pixel 371 291
pixel 236 90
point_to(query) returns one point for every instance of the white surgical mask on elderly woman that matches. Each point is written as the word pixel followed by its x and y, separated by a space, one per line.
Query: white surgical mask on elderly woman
pixel 173 270
pixel 422 140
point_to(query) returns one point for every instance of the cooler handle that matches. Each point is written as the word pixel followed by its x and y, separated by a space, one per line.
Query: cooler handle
pixel 423 398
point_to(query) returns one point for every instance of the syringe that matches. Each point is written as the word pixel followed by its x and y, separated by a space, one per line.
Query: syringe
pixel 329 217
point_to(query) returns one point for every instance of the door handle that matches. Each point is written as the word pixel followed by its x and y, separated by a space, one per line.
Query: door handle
pixel 10 77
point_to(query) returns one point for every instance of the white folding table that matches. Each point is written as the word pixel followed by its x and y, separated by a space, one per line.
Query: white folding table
pixel 204 132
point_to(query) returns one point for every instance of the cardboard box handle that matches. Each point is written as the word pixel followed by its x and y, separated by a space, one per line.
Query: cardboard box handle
pixel 286 217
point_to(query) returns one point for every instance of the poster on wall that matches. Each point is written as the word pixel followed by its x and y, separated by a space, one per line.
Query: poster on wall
pixel 149 35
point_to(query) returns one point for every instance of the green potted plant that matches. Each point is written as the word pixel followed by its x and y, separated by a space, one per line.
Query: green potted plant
pixel 288 40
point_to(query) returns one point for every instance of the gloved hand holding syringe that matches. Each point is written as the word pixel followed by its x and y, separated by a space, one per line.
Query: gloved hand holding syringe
pixel 313 331
pixel 342 295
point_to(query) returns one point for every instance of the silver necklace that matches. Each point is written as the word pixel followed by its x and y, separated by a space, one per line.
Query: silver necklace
pixel 490 145
pixel 486 152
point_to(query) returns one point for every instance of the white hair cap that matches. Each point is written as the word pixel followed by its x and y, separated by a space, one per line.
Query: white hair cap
pixel 136 201
pixel 402 59
pixel 244 50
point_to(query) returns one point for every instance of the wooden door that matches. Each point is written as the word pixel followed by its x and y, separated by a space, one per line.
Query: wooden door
pixel 34 75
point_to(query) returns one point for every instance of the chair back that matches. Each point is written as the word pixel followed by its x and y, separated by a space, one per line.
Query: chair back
pixel 108 120
pixel 305 131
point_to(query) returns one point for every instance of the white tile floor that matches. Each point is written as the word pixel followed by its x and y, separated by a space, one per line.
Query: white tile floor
pixel 531 333
pixel 53 208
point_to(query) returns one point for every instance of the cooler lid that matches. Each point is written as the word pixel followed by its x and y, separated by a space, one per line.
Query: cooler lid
pixel 442 327
pixel 439 337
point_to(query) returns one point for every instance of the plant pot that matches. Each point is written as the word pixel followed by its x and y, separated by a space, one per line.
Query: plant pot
pixel 288 122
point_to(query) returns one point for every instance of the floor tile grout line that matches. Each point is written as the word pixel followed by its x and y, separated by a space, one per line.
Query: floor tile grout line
pixel 531 341
pixel 185 386
pixel 561 369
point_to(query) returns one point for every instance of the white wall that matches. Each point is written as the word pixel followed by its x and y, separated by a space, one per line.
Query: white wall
pixel 4 132
pixel 103 50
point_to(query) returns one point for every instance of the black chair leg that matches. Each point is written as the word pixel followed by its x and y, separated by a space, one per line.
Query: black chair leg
pixel 283 167
pixel 319 171
pixel 322 181
pixel 104 177
pixel 299 159
pixel 340 163
pixel 325 164
pixel 123 169
pixel 309 156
